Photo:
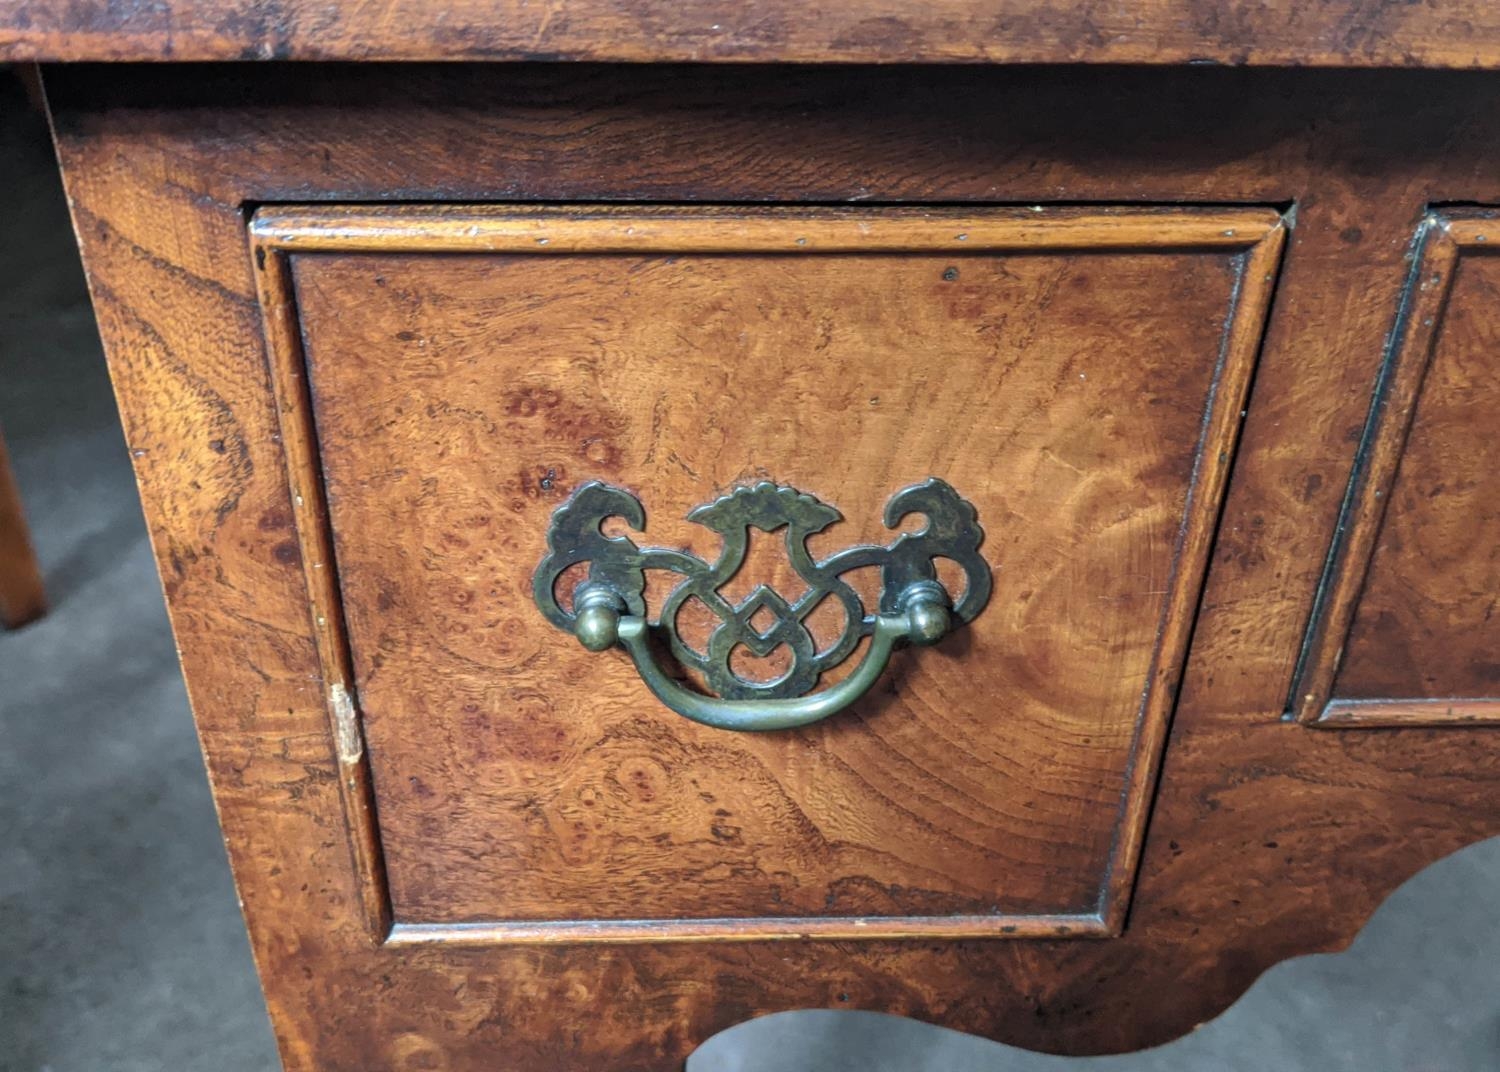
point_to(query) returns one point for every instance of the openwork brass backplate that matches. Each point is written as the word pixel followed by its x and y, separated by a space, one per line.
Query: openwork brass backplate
pixel 609 606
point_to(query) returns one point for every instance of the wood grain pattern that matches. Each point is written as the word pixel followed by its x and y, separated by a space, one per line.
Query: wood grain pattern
pixel 470 396
pixel 1265 841
pixel 1438 33
pixel 22 596
pixel 1408 630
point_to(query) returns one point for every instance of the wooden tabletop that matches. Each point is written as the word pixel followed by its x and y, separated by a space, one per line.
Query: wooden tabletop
pixel 1342 33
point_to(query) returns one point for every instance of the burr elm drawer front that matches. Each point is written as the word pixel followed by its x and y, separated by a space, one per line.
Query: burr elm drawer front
pixel 1057 390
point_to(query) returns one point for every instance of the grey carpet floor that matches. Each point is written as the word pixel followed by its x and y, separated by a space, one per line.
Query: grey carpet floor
pixel 121 947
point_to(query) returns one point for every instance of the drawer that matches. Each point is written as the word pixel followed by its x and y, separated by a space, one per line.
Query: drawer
pixel 761 381
pixel 1406 631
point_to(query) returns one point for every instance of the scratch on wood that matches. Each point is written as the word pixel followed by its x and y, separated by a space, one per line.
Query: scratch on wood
pixel 345 726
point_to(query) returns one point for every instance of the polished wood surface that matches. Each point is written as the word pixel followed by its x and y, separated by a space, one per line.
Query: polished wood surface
pixel 1077 374
pixel 22 597
pixel 1408 632
pixel 1266 838
pixel 1357 33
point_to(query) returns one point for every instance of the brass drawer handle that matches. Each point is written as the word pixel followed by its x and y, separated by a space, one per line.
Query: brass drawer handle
pixel 609 606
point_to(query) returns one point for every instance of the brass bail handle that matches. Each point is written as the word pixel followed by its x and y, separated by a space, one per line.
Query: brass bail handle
pixel 924 619
pixel 608 608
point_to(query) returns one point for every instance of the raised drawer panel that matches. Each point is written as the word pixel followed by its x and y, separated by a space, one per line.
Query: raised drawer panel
pixel 1077 375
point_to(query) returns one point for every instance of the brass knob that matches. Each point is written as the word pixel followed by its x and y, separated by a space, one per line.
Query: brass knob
pixel 596 621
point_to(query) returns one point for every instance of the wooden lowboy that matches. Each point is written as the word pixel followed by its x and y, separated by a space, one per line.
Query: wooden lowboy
pixel 1109 442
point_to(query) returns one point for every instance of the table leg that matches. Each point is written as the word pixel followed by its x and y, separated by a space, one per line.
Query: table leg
pixel 21 594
